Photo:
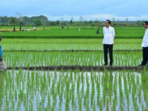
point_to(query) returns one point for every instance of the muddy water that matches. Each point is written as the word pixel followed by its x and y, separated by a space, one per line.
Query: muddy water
pixel 71 90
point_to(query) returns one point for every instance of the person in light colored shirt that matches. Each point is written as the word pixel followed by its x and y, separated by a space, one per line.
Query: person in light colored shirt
pixel 109 34
pixel 34 28
pixel 145 46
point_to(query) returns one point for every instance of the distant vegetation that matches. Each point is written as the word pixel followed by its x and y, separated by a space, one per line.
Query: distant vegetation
pixel 43 21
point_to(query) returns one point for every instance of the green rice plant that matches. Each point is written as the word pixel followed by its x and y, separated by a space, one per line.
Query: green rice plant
pixel 89 32
pixel 54 59
pixel 53 89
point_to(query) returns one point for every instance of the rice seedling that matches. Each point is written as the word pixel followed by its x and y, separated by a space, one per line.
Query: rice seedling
pixel 28 59
pixel 73 90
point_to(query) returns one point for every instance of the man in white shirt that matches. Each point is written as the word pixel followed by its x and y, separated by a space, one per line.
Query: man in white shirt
pixel 145 45
pixel 109 34
pixel 34 28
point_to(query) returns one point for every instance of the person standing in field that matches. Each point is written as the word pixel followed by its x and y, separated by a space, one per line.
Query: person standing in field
pixel 20 28
pixel 2 64
pixel 109 34
pixel 23 29
pixel 98 31
pixel 34 28
pixel 145 46
pixel 14 29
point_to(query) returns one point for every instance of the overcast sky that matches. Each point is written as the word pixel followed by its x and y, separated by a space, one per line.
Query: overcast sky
pixel 88 9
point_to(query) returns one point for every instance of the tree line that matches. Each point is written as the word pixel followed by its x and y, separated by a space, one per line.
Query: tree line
pixel 22 21
pixel 43 21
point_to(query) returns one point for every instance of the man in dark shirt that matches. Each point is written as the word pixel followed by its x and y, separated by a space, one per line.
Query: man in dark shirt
pixel 98 31
pixel 14 29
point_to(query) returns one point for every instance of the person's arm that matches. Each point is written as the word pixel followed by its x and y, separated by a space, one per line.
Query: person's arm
pixel 146 35
pixel 103 31
pixel 113 32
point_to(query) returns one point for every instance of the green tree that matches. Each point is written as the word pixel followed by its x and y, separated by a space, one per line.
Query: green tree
pixel 52 23
pixel 37 22
pixel 57 22
pixel 90 22
pixel 21 23
pixel 71 21
pixel 13 20
pixel 94 24
pixel 86 22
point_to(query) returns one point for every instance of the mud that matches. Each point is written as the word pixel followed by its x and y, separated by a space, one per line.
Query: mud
pixel 88 68
pixel 117 50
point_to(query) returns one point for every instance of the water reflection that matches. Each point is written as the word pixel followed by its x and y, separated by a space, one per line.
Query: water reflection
pixel 72 90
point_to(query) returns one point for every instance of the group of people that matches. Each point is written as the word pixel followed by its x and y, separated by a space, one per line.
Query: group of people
pixel 109 35
pixel 22 29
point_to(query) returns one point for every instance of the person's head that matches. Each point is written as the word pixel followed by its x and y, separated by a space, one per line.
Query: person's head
pixel 0 38
pixel 107 23
pixel 146 24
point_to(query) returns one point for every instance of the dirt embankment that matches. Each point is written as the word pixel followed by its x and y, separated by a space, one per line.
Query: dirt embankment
pixel 88 68
pixel 117 50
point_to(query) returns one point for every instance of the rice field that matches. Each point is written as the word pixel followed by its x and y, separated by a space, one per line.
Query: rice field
pixel 27 59
pixel 72 90
pixel 68 44
pixel 73 32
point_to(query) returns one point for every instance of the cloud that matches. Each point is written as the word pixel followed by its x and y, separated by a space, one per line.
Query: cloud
pixel 58 8
pixel 98 17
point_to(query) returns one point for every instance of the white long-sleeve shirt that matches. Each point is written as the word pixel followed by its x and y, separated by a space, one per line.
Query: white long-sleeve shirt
pixel 145 39
pixel 109 34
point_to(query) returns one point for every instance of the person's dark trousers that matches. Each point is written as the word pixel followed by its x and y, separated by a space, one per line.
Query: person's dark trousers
pixel 145 56
pixel 108 47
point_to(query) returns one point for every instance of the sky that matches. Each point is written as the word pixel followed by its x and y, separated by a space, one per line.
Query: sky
pixel 68 9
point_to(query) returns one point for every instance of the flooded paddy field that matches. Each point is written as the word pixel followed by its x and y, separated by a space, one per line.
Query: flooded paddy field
pixel 74 90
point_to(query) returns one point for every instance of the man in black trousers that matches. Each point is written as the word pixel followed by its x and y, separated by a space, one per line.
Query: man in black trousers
pixel 145 46
pixel 109 34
